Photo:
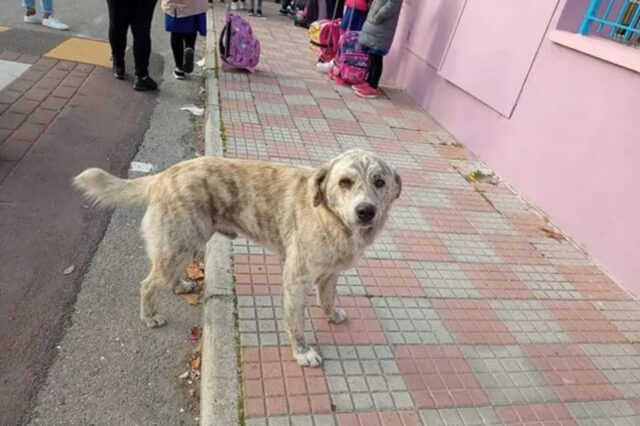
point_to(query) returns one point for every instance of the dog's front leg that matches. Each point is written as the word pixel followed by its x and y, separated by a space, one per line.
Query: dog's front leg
pixel 326 292
pixel 297 284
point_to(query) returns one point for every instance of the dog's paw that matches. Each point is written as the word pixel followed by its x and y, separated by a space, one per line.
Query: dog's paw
pixel 184 286
pixel 154 321
pixel 310 358
pixel 339 316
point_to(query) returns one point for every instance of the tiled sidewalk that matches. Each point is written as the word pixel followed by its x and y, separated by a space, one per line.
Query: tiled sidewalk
pixel 464 312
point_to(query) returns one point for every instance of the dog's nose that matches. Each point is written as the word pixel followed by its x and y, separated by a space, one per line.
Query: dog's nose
pixel 365 212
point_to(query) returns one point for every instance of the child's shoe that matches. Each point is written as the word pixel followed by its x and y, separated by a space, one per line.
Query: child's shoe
pixel 367 92
pixel 358 86
pixel 187 65
pixel 259 13
pixel 178 74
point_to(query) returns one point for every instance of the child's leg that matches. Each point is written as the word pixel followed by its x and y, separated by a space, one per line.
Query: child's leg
pixel 259 5
pixel 47 8
pixel 30 7
pixel 375 70
pixel 177 47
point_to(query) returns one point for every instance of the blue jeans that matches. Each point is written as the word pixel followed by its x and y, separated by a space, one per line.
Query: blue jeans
pixel 47 5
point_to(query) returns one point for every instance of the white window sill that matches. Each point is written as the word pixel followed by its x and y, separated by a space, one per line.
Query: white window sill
pixel 601 48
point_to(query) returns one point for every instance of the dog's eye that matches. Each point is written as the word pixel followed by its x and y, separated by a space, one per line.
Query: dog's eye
pixel 379 183
pixel 345 183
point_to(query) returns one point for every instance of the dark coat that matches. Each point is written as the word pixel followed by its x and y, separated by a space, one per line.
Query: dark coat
pixel 380 27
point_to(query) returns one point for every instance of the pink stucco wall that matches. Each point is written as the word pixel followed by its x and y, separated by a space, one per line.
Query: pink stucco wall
pixel 570 145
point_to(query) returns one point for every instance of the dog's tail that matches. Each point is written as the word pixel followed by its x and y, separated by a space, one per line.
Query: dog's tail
pixel 106 190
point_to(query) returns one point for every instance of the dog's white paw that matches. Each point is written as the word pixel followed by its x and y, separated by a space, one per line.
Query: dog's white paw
pixel 339 316
pixel 157 320
pixel 310 358
pixel 184 286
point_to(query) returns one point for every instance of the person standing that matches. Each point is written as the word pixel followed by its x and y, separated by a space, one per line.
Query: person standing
pixel 138 15
pixel 48 20
pixel 376 38
pixel 184 19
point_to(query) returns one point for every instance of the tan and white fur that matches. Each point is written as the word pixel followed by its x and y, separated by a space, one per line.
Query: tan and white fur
pixel 319 221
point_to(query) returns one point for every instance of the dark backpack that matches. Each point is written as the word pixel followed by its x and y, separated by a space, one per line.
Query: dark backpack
pixel 305 12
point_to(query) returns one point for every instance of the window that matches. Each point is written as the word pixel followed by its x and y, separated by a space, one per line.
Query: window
pixel 615 19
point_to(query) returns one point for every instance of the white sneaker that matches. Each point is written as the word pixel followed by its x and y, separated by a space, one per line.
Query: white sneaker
pixel 234 6
pixel 32 19
pixel 55 23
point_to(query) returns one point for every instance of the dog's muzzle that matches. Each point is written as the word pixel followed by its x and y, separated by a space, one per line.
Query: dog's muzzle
pixel 365 213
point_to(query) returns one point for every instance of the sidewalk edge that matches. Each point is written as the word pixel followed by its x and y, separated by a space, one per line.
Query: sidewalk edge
pixel 219 386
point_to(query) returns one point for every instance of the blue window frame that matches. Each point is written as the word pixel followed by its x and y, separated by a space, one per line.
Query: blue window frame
pixel 617 19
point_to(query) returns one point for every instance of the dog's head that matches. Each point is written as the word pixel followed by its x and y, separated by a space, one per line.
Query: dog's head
pixel 358 186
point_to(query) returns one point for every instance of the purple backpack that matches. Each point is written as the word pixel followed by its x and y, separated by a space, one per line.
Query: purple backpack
pixel 351 62
pixel 238 47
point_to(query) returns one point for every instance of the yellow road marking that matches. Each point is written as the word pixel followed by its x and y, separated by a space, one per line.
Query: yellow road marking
pixel 3 29
pixel 82 50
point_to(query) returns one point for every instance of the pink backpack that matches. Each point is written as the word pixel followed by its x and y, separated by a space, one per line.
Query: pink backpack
pixel 352 63
pixel 238 47
pixel 323 38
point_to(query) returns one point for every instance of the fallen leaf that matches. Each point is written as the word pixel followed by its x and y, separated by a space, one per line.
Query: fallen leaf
pixel 195 272
pixel 195 363
pixel 69 270
pixel 184 375
pixel 192 298
pixel 195 334
pixel 549 233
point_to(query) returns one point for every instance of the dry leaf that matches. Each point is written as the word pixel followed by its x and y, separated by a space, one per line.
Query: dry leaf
pixel 195 272
pixel 195 334
pixel 195 363
pixel 192 298
pixel 184 375
pixel 69 270
pixel 552 234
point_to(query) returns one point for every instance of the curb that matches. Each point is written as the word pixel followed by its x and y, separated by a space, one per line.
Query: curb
pixel 219 383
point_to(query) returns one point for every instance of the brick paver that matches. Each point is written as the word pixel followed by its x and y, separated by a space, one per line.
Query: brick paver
pixel 465 311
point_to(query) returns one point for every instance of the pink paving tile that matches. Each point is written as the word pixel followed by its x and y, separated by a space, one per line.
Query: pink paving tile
pixel 593 283
pixel 361 328
pixel 244 131
pixel 573 376
pixel 227 85
pixel 439 376
pixel 388 145
pixel 406 135
pixel 434 164
pixel 345 127
pixel 255 78
pixel 516 249
pixel 274 384
pixel 635 403
pixel 331 103
pixel 454 152
pixel 473 322
pixel 536 415
pixel 413 177
pixel 448 221
pixel 258 274
pixel 300 91
pixel 385 418
pixel 319 138
pixel 388 110
pixel 233 105
pixel 528 224
pixel 495 281
pixel 469 200
pixel 416 245
pixel 276 120
pixel 366 117
pixel 305 111
pixel 287 150
pixel 583 322
pixel 389 278
pixel 268 97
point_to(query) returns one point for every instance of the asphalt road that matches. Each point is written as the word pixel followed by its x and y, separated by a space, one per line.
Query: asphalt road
pixel 79 354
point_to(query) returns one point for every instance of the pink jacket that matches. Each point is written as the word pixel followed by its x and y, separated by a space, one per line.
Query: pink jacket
pixel 183 8
pixel 362 5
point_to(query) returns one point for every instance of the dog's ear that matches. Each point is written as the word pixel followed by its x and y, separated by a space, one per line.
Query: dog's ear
pixel 398 180
pixel 317 186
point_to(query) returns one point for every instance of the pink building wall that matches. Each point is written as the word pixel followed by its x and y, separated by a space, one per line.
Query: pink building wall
pixel 566 139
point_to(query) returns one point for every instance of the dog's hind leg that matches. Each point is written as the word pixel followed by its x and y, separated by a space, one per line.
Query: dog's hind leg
pixel 326 293
pixel 163 273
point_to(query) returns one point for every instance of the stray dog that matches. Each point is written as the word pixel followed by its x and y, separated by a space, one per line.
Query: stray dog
pixel 319 221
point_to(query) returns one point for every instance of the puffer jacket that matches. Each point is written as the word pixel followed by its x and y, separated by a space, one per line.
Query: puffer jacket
pixel 183 8
pixel 380 27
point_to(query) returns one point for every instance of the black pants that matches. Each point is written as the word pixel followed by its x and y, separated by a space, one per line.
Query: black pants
pixel 136 14
pixel 375 70
pixel 180 41
pixel 331 5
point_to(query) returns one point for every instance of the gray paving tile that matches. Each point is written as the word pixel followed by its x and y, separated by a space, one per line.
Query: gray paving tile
pixel 561 253
pixel 472 416
pixel 384 248
pixel 470 248
pixel 530 322
pixel 624 315
pixel 620 363
pixel 604 413
pixel 444 280
pixel 350 284
pixel 410 321
pixel 407 218
pixel 546 282
pixel 490 223
pixel 507 375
